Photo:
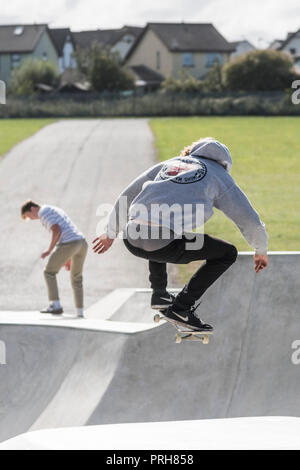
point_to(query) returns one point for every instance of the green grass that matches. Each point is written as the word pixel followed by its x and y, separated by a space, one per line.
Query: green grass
pixel 13 131
pixel 266 165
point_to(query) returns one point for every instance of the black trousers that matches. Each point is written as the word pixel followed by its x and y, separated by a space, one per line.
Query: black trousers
pixel 219 256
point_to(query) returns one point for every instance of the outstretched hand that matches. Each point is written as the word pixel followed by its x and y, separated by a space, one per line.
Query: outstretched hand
pixel 260 262
pixel 102 244
pixel 45 254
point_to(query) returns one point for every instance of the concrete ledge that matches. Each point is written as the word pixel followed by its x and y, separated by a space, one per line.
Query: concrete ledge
pixel 34 319
pixel 108 305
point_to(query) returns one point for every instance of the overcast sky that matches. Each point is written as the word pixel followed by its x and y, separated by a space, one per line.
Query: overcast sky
pixel 260 21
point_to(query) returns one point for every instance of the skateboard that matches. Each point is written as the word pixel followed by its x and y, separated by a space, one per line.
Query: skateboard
pixel 184 334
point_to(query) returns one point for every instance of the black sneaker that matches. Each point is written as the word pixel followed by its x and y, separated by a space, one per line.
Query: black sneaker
pixel 186 317
pixel 161 300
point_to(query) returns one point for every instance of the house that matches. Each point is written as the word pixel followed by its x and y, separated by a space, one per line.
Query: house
pixel 275 44
pixel 290 45
pixel 64 43
pixel 21 42
pixel 179 49
pixel 117 40
pixel 125 39
pixel 241 48
pixel 146 79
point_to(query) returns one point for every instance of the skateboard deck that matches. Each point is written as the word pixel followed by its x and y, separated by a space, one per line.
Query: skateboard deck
pixel 184 334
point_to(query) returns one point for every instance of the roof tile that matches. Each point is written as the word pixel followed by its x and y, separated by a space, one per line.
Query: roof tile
pixel 25 42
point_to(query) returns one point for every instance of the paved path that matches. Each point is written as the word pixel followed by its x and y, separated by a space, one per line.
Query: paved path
pixel 75 164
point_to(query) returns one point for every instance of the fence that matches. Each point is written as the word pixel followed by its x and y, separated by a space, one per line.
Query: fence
pixel 154 104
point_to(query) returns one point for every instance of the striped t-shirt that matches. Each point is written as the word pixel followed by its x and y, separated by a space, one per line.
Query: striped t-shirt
pixel 50 215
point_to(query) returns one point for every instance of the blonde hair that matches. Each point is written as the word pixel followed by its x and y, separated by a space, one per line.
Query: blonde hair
pixel 187 150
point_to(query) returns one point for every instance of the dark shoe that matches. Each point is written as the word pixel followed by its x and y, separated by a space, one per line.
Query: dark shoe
pixel 161 300
pixel 186 317
pixel 52 310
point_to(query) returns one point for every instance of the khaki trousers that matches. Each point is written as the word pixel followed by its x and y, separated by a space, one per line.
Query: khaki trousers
pixel 76 251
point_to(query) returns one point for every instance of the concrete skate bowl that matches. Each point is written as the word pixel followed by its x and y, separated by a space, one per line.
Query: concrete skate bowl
pixel 106 371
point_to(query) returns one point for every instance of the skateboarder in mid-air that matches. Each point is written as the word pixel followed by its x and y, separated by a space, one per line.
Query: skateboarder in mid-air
pixel 199 180
pixel 68 247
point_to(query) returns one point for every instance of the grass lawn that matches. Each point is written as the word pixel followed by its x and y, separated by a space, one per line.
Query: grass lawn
pixel 13 131
pixel 266 165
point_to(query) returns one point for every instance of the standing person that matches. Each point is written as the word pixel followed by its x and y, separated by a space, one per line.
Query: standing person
pixel 199 177
pixel 68 247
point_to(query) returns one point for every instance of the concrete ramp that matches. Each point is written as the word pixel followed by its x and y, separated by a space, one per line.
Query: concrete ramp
pixel 105 371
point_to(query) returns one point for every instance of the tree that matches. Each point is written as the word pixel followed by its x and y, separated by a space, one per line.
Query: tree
pixel 259 71
pixel 213 81
pixel 103 69
pixel 30 73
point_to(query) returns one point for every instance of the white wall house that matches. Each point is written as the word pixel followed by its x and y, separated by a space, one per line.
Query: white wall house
pixel 67 60
pixel 241 48
pixel 65 47
pixel 291 45
pixel 124 44
pixel 117 40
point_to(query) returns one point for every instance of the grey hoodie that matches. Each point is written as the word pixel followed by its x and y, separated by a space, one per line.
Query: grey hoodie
pixel 200 178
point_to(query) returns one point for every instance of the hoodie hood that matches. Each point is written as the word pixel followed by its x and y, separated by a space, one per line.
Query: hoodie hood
pixel 213 150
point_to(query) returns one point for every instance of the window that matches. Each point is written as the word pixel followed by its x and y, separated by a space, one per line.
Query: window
pixel 128 39
pixel 212 58
pixel 15 60
pixel 188 59
pixel 18 30
pixel 292 50
pixel 45 56
pixel 158 60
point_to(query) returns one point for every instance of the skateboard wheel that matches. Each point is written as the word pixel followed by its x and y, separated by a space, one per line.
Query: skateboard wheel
pixel 205 339
pixel 178 339
pixel 156 318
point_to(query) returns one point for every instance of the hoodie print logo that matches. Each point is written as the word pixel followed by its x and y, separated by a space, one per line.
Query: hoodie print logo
pixel 183 171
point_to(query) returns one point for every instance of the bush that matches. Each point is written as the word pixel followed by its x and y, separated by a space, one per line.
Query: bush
pixel 259 71
pixel 103 69
pixel 183 85
pixel 212 83
pixel 29 74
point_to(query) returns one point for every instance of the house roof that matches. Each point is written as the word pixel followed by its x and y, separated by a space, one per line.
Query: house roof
pixel 275 42
pixel 290 36
pixel 134 30
pixel 59 36
pixel 86 38
pixel 146 74
pixel 26 41
pixel 237 43
pixel 106 37
pixel 187 37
